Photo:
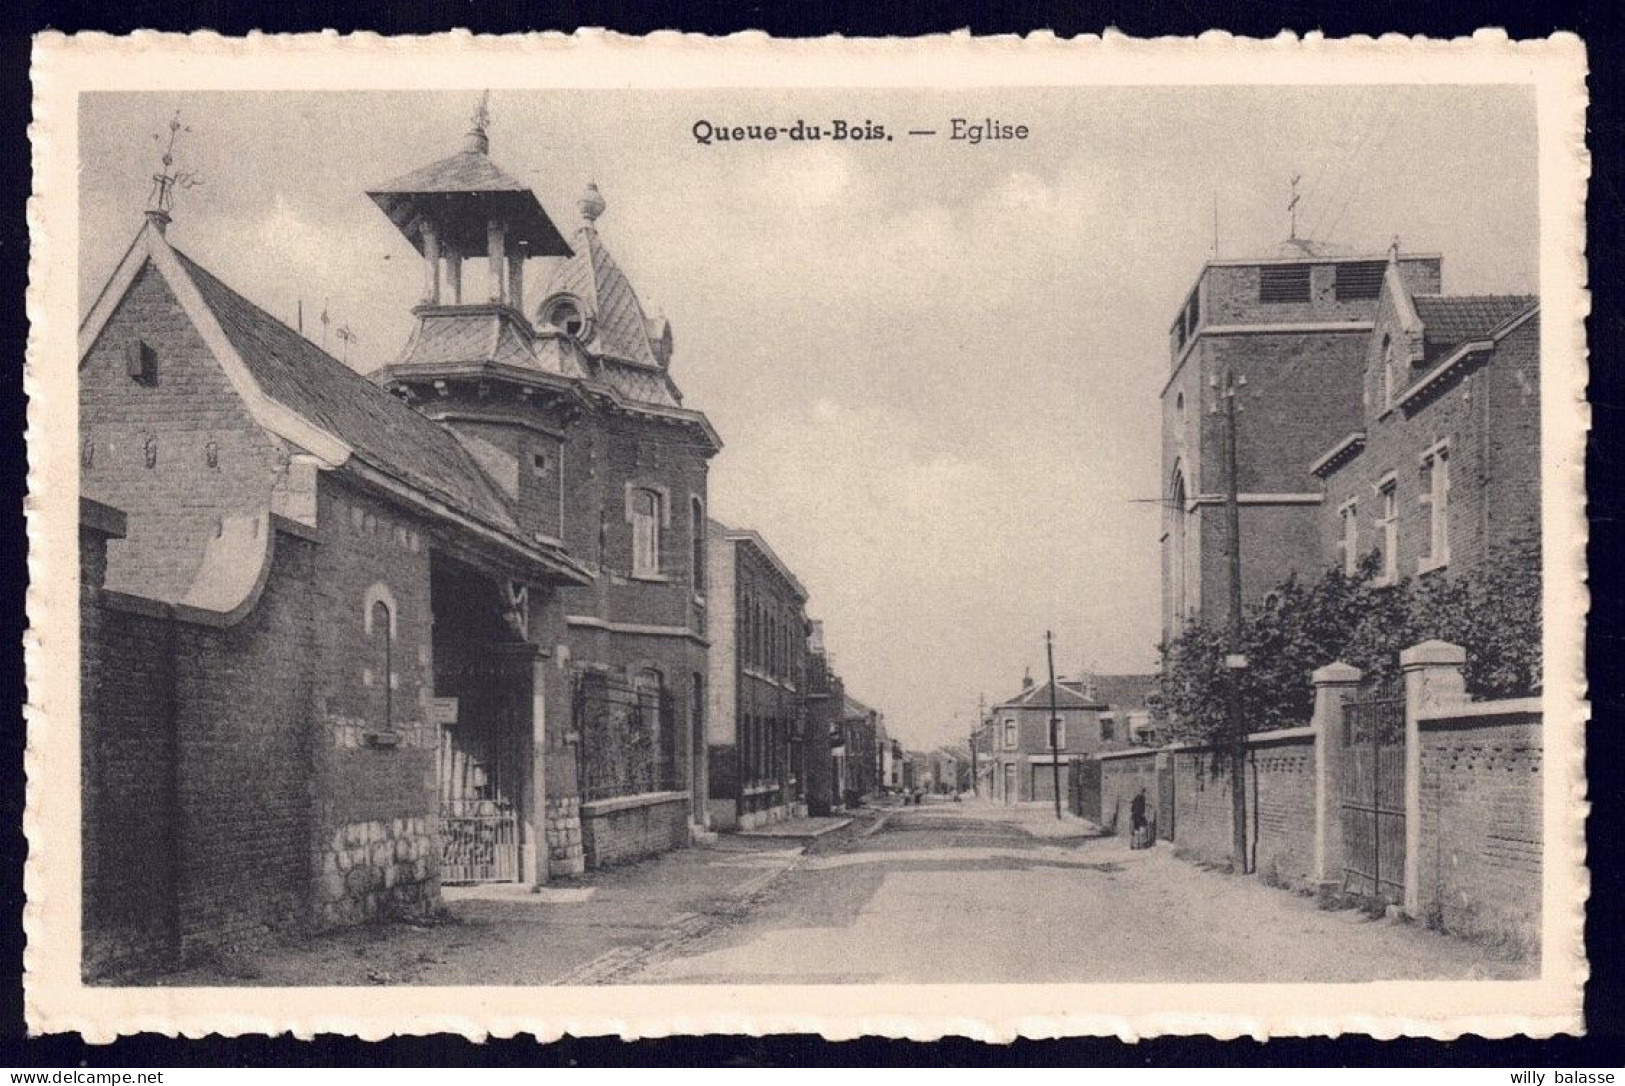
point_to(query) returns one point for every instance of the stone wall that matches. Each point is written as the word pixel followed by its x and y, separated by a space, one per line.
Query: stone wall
pixel 617 831
pixel 1480 862
pixel 566 851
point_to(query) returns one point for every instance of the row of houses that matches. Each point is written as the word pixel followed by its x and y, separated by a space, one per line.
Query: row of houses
pixel 346 639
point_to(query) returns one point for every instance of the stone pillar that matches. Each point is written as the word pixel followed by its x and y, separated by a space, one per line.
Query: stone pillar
pixel 496 247
pixel 431 265
pixel 516 281
pixel 1433 678
pixel 536 855
pixel 454 275
pixel 1333 683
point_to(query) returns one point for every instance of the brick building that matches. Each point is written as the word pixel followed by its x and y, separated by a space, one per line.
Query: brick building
pixel 576 418
pixel 346 640
pixel 855 751
pixel 1296 327
pixel 286 574
pixel 1022 758
pixel 757 726
pixel 1442 471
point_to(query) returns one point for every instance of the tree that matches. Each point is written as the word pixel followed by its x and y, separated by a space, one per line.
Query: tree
pixel 1493 613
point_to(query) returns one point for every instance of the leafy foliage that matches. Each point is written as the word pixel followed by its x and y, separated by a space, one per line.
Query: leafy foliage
pixel 1356 619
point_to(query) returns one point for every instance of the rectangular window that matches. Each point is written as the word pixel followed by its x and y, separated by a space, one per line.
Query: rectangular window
pixel 1349 542
pixel 1010 734
pixel 1359 282
pixel 1057 734
pixel 1108 729
pixel 1283 283
pixel 1388 525
pixel 645 532
pixel 1436 496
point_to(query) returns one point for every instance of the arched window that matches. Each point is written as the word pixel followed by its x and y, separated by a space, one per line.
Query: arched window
pixel 1179 562
pixel 565 315
pixel 645 532
pixel 696 518
pixel 1389 377
pixel 383 652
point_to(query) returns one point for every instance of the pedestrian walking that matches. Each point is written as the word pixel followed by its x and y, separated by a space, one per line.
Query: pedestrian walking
pixel 1138 837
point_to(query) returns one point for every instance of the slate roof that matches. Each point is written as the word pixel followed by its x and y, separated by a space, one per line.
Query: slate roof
pixel 1449 320
pixel 621 329
pixel 381 429
pixel 1124 691
pixel 466 171
pixel 461 192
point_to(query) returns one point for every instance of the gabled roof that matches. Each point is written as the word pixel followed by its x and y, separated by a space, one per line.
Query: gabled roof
pixel 301 393
pixel 375 424
pixel 620 327
pixel 1124 691
pixel 1448 320
pixel 1037 697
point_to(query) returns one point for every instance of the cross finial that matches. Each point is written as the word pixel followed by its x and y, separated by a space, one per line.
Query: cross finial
pixel 167 179
pixel 1393 248
pixel 1292 205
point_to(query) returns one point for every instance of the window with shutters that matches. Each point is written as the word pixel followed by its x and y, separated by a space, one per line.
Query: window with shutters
pixel 1358 282
pixel 1283 283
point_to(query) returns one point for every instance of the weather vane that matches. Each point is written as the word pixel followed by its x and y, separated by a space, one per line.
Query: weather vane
pixel 1292 205
pixel 482 112
pixel 165 182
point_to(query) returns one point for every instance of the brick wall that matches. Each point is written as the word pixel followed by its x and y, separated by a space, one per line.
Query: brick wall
pixel 620 831
pixel 1121 778
pixel 1489 412
pixel 1480 862
pixel 1303 392
pixel 1280 793
pixel 190 419
pixel 198 756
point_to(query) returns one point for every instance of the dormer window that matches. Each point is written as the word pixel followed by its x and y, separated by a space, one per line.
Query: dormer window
pixel 565 315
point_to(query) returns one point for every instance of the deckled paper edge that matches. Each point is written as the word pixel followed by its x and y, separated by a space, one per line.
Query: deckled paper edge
pixel 55 1001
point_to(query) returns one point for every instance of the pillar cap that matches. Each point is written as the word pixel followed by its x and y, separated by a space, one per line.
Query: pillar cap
pixel 1336 674
pixel 1433 654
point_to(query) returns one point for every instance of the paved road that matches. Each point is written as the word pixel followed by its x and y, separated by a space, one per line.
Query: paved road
pixel 967 893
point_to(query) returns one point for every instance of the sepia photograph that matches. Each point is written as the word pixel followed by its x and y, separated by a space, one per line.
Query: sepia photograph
pixel 614 536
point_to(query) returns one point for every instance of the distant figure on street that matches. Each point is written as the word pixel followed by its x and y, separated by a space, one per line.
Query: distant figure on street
pixel 1138 837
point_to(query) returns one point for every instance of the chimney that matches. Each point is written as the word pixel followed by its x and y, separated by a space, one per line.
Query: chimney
pixel 1027 679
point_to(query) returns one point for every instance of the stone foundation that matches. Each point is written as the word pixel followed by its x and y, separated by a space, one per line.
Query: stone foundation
pixel 566 854
pixel 377 869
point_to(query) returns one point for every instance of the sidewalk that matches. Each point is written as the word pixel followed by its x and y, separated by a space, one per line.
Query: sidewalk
pixel 576 931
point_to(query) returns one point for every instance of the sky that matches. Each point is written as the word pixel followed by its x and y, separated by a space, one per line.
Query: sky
pixel 935 365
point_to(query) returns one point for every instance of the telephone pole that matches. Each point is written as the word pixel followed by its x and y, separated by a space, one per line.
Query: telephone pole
pixel 1054 722
pixel 1235 662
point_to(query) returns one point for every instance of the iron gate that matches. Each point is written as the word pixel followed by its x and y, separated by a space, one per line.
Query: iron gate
pixel 1374 794
pixel 482 760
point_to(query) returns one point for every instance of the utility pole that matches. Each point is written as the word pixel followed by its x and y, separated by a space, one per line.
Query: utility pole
pixel 1234 661
pixel 1054 722
pixel 975 733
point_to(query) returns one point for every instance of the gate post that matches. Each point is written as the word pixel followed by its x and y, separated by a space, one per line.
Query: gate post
pixel 1333 683
pixel 1433 677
